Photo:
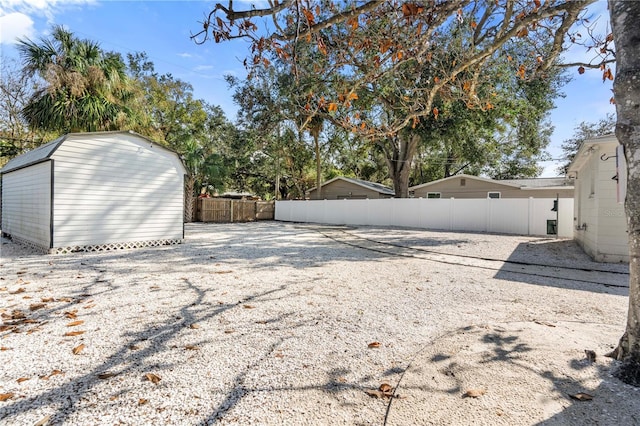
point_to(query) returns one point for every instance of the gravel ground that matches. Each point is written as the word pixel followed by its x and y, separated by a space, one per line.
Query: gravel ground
pixel 271 323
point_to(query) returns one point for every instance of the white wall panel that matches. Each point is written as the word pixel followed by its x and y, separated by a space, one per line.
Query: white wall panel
pixel 115 188
pixel 509 216
pixel 26 204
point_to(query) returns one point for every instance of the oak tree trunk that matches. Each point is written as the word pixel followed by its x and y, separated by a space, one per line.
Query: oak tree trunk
pixel 625 19
pixel 399 152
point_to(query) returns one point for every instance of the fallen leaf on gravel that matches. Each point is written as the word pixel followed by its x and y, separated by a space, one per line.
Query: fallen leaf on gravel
pixel 418 288
pixel 74 323
pixel 385 388
pixel 23 379
pixel 374 345
pixel 27 297
pixel 152 378
pixel 18 314
pixel 142 401
pixel 222 272
pixel 191 348
pixel 229 331
pixel 73 333
pixel 261 322
pixel 279 355
pixel 43 421
pixel 134 347
pixel 6 327
pixel 55 373
pixel 88 306
pixel 36 306
pixel 154 287
pixel 544 323
pixel 18 291
pixel 4 348
pixel 581 396
pixel 474 393
pixel 248 306
pixel 5 396
pixel 194 326
pixel 103 376
pixel 71 314
pixel 3 288
pixel 78 349
pixel 374 393
pixel 21 272
pixel 47 299
pixel 64 299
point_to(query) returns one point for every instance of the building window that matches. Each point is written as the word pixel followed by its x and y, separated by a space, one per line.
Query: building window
pixel 493 195
pixel 463 182
pixel 433 195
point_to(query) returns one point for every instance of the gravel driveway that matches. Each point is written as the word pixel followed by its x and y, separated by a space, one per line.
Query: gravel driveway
pixel 276 323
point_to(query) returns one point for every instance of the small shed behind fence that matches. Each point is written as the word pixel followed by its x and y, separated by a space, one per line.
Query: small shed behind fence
pixel 94 192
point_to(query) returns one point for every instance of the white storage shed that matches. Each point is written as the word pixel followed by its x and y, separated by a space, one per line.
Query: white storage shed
pixel 94 192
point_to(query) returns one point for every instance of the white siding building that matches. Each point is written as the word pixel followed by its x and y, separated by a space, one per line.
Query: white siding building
pixel 94 192
pixel 600 225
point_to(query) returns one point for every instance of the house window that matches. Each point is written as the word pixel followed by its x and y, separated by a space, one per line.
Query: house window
pixel 493 195
pixel 463 182
pixel 433 195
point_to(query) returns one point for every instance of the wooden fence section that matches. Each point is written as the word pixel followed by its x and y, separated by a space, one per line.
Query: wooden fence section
pixel 224 210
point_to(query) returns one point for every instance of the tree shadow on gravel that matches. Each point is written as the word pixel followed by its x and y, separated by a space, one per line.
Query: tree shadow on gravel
pixel 563 264
pixel 473 362
pixel 128 359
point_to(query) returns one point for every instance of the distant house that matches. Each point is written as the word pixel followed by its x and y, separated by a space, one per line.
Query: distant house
pixel 467 186
pixel 94 192
pixel 599 173
pixel 344 188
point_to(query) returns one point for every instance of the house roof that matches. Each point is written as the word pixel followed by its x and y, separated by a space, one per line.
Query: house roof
pixel 470 177
pixel 44 152
pixel 363 183
pixel 533 183
pixel 588 147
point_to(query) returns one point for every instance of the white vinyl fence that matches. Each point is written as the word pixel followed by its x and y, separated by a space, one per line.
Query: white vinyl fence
pixel 522 216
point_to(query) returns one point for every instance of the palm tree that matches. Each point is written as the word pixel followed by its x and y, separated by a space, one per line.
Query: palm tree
pixel 85 88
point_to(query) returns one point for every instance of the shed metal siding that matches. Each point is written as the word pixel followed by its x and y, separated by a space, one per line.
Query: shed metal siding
pixel 26 204
pixel 114 188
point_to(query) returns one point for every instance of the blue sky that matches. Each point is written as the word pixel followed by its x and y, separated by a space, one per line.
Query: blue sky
pixel 162 29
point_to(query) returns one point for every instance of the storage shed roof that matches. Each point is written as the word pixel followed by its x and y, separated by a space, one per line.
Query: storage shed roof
pixel 44 152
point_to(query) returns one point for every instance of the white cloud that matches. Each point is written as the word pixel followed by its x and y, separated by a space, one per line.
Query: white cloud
pixel 185 55
pixel 200 68
pixel 15 25
pixel 17 16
